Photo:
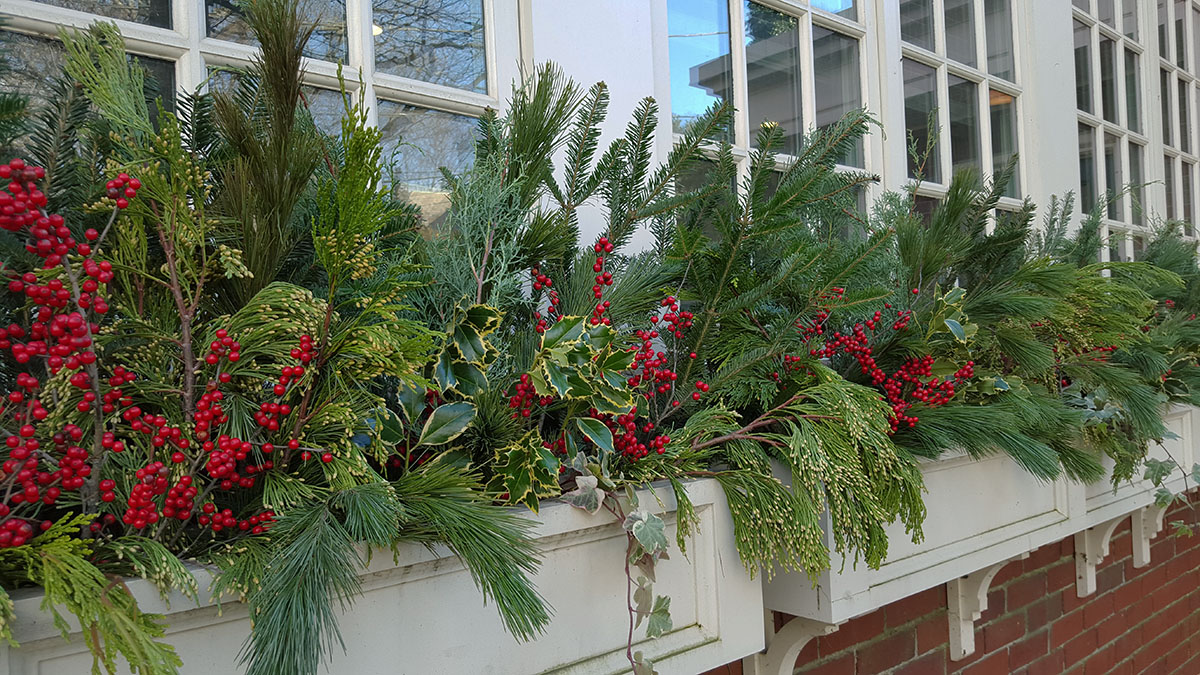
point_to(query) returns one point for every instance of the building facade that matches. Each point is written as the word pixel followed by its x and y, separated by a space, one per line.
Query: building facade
pixel 1097 97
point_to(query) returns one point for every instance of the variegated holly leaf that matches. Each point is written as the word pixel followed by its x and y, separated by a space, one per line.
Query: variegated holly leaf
pixel 523 472
pixel 446 423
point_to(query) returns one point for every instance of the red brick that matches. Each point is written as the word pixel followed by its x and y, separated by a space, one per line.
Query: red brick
pixel 1098 609
pixel 916 606
pixel 1042 557
pixel 933 663
pixel 1080 648
pixel 1048 665
pixel 1007 573
pixel 1005 631
pixel 1177 657
pixel 1029 649
pixel 1071 600
pixel 1129 593
pixel 996 605
pixel 1026 591
pixel 994 664
pixel 1123 668
pixel 1065 628
pixel 1109 578
pixel 851 633
pixel 808 654
pixel 932 633
pixel 1139 612
pixel 1127 644
pixel 1120 546
pixel 842 665
pixel 1100 663
pixel 886 653
pixel 1110 629
pixel 1061 575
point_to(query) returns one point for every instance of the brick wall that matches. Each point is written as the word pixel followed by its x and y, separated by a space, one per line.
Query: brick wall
pixel 1138 621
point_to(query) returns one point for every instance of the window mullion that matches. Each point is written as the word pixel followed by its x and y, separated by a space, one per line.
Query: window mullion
pixel 360 39
pixel 808 80
pixel 741 95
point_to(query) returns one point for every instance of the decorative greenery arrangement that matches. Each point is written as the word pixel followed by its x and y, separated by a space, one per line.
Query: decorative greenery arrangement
pixel 230 345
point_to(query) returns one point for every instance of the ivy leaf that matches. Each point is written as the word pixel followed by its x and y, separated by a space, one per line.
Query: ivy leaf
pixel 956 328
pixel 643 597
pixel 587 495
pixel 597 433
pixel 1181 529
pixel 1196 473
pixel 648 529
pixel 446 423
pixel 1157 470
pixel 1163 497
pixel 641 666
pixel 659 622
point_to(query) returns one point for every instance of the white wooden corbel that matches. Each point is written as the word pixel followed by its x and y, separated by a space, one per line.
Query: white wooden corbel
pixel 783 647
pixel 1091 546
pixel 967 600
pixel 1147 523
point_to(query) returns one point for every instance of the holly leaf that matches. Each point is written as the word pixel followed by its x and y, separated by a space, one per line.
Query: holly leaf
pixel 956 328
pixel 412 401
pixel 648 529
pixel 521 472
pixel 659 621
pixel 446 423
pixel 587 495
pixel 597 433
pixel 391 429
pixel 569 328
pixel 443 372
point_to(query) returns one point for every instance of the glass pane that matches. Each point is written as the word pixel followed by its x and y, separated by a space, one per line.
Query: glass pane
pixel 1108 79
pixel 920 101
pixel 846 8
pixel 1087 168
pixel 701 71
pixel 1004 137
pixel 1164 90
pixel 1137 191
pixel 149 12
pixel 773 74
pixel 1181 12
pixel 1164 44
pixel 1169 183
pixel 964 123
pixel 924 206
pixel 1082 4
pixel 1185 127
pixel 1107 11
pixel 1131 18
pixel 328 41
pixel 1139 246
pixel 1112 175
pixel 1196 41
pixel 438 41
pixel 326 107
pixel 1133 115
pixel 916 22
pixel 960 31
pixel 1116 241
pixel 418 142
pixel 1185 189
pixel 1083 67
pixel 835 61
pixel 997 17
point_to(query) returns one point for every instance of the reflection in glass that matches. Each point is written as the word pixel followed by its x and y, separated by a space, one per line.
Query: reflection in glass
pixel 701 70
pixel 1137 191
pixel 1112 175
pixel 1139 247
pixel 1130 8
pixel 1083 67
pixel 1181 12
pixel 1196 41
pixel 1107 11
pixel 1087 168
pixel 1164 90
pixel 964 123
pixel 1082 4
pixel 846 8
pixel 1169 183
pixel 960 31
pixel 924 207
pixel 1185 127
pixel 916 22
pixel 838 91
pixel 1108 79
pixel 326 108
pixel 1004 137
pixel 920 101
pixel 1185 191
pixel 328 41
pixel 149 12
pixel 1164 44
pixel 1133 115
pixel 997 17
pixel 437 41
pixel 773 74
pixel 418 142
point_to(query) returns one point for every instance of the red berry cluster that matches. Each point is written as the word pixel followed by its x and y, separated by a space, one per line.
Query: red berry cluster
pixel 625 430
pixel 933 392
pixel 603 278
pixel 225 520
pixel 122 189
pixel 525 397
pixel 542 281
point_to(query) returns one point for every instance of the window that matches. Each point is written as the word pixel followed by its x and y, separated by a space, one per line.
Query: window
pixel 1112 176
pixel 1087 168
pixel 966 84
pixel 328 42
pixel 149 12
pixel 435 41
pixel 1133 116
pixel 799 69
pixel 1179 90
pixel 1083 67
